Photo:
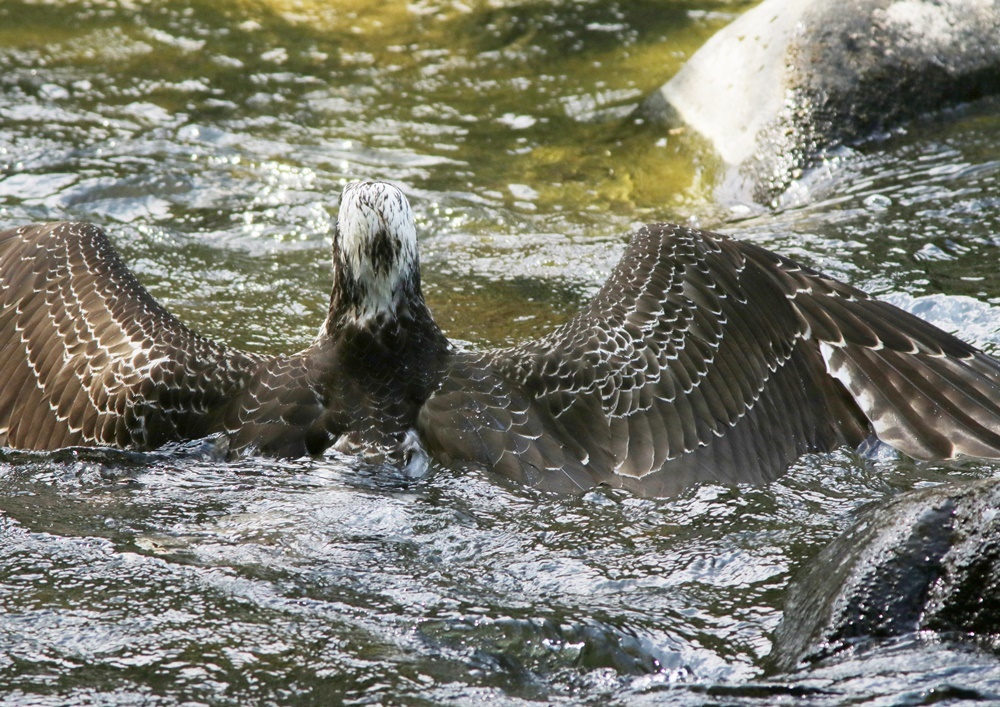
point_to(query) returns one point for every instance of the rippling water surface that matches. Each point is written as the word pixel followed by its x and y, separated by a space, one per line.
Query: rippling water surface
pixel 212 140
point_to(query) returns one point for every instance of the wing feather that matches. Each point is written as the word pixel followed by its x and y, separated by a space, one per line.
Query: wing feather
pixel 88 357
pixel 924 391
pixel 704 358
pixel 672 367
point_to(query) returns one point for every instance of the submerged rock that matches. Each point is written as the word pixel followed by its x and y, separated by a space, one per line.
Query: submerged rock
pixel 927 561
pixel 781 88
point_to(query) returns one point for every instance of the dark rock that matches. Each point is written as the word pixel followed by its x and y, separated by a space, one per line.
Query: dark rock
pixel 784 86
pixel 926 561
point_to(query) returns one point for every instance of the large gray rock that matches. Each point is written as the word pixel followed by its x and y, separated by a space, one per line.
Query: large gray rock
pixel 927 561
pixel 789 81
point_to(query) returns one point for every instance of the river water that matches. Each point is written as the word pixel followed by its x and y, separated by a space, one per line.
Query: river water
pixel 212 138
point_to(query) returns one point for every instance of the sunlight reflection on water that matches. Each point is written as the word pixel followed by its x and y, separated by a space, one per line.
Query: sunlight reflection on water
pixel 213 143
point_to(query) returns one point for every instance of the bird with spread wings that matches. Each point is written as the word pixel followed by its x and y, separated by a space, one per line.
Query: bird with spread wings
pixel 702 358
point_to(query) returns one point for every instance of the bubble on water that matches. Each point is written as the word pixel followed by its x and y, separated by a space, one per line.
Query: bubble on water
pixel 52 92
pixel 877 202
pixel 517 122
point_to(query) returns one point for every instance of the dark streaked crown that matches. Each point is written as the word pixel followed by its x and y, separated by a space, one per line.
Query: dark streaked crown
pixel 374 252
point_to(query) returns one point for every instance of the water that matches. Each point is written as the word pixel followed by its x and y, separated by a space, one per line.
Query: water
pixel 212 140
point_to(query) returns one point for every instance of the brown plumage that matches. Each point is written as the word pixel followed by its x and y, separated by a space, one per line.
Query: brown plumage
pixel 702 358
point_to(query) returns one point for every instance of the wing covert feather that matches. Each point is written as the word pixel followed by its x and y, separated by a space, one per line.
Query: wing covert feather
pixel 675 372
pixel 89 357
pixel 704 358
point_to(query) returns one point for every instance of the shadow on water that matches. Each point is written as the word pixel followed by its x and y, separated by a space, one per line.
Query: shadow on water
pixel 212 139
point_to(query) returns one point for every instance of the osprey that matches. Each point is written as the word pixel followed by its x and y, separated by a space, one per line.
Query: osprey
pixel 702 358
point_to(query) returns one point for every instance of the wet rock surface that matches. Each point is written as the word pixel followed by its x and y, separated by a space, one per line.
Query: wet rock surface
pixel 928 561
pixel 790 82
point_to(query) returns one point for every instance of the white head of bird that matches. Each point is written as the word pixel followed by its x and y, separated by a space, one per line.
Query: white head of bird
pixel 375 249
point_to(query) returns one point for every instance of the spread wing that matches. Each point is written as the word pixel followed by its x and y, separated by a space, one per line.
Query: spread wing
pixel 927 393
pixel 87 356
pixel 704 358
